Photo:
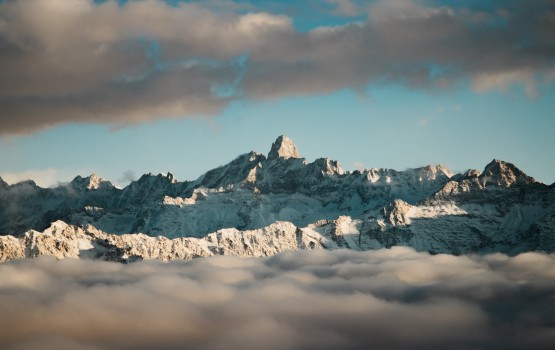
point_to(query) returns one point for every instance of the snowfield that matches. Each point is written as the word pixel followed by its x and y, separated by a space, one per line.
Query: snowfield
pixel 260 205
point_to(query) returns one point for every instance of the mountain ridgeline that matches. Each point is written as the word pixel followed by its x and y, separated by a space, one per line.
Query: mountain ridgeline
pixel 314 205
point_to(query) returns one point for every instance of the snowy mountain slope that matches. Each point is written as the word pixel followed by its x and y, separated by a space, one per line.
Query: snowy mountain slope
pixel 429 208
pixel 501 209
pixel 250 192
pixel 68 241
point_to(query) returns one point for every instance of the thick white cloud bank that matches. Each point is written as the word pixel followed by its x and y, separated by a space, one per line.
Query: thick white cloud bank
pixel 385 299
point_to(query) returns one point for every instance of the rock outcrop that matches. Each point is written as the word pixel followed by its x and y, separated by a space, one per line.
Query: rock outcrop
pixel 257 206
pixel 62 241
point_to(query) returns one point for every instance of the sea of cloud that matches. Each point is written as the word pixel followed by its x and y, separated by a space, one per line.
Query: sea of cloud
pixel 386 299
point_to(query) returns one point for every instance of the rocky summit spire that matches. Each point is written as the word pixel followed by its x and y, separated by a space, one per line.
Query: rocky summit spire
pixel 501 173
pixel 92 182
pixel 283 147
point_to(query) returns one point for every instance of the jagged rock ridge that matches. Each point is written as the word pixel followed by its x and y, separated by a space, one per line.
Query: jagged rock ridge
pixel 68 241
pixel 283 147
pixel 250 192
pixel 429 208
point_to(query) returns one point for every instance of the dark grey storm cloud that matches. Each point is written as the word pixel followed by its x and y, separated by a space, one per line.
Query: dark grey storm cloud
pixel 385 299
pixel 65 61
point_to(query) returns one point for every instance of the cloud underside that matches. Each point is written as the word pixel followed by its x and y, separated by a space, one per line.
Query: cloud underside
pixel 385 299
pixel 65 61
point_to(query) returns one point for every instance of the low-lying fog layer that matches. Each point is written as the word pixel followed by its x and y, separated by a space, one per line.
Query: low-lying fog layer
pixel 385 299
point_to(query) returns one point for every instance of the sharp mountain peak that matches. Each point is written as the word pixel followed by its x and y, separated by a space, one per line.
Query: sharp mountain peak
pixel 504 173
pixel 283 147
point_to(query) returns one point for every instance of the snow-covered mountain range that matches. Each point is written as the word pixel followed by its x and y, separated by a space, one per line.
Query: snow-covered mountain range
pixel 259 205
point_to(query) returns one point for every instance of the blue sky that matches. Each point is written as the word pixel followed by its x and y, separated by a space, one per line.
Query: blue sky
pixel 392 84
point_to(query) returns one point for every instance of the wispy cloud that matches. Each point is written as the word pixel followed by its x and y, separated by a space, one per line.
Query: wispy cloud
pixel 77 61
pixel 359 166
pixel 439 112
pixel 127 177
pixel 346 7
pixel 44 177
pixel 392 299
pixel 424 121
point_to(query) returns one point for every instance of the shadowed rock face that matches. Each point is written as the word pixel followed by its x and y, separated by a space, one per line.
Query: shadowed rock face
pixel 500 173
pixel 3 184
pixel 428 208
pixel 250 192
